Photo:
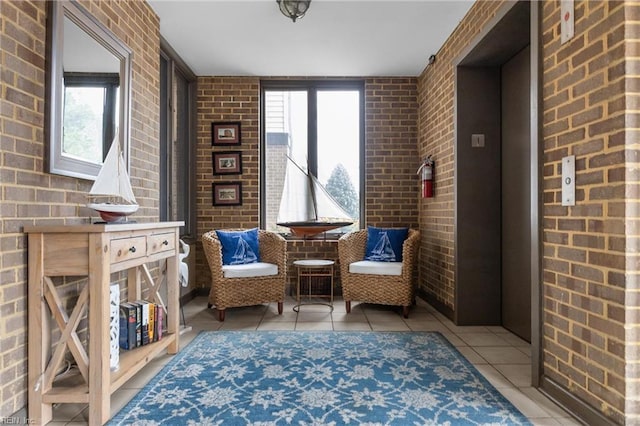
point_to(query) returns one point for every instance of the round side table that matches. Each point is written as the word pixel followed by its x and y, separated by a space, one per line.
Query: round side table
pixel 314 270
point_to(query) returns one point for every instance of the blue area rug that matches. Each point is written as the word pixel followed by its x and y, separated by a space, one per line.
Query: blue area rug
pixel 319 378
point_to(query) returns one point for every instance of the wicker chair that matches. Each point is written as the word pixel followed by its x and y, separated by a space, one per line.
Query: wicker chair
pixel 235 292
pixel 396 290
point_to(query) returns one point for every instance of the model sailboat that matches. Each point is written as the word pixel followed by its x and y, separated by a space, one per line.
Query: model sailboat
pixel 111 194
pixel 306 208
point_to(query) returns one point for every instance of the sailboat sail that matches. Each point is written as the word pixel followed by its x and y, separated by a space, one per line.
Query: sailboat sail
pixel 113 179
pixel 297 202
pixel 306 207
pixel 111 194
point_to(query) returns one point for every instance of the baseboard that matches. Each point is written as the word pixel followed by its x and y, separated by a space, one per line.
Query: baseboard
pixel 441 307
pixel 579 409
pixel 202 291
pixel 192 294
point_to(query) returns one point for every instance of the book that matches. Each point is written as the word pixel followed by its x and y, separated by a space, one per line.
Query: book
pixel 152 323
pixel 128 319
pixel 156 313
pixel 145 321
pixel 133 326
pixel 123 339
pixel 138 307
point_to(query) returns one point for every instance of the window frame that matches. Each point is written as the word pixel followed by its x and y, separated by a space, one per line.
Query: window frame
pixel 170 128
pixel 312 87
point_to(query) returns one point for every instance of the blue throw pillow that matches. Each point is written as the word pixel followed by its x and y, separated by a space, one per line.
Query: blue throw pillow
pixel 385 244
pixel 239 247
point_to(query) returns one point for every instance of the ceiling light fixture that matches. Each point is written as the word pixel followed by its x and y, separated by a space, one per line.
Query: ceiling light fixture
pixel 293 9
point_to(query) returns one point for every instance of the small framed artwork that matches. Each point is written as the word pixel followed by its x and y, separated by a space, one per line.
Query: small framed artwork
pixel 227 194
pixel 227 163
pixel 225 133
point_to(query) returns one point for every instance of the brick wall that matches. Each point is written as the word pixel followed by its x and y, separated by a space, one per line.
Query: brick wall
pixel 391 157
pixel 29 194
pixel 391 191
pixel 436 119
pixel 585 287
pixel 589 270
pixel 630 175
pixel 225 99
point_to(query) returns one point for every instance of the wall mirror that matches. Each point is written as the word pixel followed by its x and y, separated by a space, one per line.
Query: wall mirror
pixel 89 78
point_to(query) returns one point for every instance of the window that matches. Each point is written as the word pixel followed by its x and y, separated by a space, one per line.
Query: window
pixel 177 142
pixel 311 128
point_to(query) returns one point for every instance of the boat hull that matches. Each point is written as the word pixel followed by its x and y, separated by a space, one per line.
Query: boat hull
pixel 309 229
pixel 113 212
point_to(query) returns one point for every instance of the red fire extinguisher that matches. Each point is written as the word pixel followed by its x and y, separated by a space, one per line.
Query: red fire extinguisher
pixel 426 171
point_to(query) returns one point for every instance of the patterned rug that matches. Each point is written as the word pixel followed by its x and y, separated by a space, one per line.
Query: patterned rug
pixel 319 378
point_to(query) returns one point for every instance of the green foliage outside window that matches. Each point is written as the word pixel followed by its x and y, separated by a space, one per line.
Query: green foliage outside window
pixel 340 187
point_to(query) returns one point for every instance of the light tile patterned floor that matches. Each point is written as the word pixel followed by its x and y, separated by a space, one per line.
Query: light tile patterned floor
pixel 503 358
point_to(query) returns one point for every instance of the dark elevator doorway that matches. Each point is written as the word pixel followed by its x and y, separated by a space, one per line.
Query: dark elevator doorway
pixel 493 213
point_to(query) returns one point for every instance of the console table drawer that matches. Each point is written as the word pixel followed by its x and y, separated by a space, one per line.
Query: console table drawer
pixel 128 248
pixel 161 242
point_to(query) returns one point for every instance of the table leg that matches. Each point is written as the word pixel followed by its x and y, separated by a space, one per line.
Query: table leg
pixel 39 329
pixel 173 299
pixel 99 372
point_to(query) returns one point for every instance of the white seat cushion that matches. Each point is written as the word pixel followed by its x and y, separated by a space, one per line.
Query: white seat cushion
pixel 248 270
pixel 376 268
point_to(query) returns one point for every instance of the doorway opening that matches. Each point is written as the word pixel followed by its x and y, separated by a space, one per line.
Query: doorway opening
pixel 496 178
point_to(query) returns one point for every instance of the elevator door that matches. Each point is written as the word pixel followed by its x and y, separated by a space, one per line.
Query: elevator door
pixel 516 194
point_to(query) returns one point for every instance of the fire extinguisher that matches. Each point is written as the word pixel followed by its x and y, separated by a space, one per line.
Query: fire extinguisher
pixel 426 171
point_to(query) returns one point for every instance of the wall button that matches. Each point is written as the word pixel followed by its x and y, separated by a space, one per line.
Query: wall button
pixel 477 141
pixel 569 180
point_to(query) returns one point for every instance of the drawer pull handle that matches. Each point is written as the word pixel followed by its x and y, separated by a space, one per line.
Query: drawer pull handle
pixel 165 243
pixel 132 249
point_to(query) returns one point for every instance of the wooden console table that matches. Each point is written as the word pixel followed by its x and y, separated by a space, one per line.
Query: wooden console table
pixel 95 251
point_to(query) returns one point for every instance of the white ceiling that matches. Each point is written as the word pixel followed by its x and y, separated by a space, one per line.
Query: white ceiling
pixel 336 38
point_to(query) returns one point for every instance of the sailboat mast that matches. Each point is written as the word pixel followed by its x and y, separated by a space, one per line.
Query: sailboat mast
pixel 314 200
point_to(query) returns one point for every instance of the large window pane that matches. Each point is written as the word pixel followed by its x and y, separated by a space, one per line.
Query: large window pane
pixel 311 131
pixel 338 147
pixel 286 123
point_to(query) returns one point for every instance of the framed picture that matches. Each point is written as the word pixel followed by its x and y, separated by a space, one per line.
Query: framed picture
pixel 227 194
pixel 225 133
pixel 227 163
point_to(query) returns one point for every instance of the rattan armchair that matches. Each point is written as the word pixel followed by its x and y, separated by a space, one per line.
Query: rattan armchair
pixel 396 290
pixel 235 292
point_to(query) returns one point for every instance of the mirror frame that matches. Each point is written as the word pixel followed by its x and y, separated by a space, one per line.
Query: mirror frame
pixel 71 9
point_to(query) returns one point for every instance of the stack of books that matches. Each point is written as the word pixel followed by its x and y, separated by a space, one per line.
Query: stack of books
pixel 141 323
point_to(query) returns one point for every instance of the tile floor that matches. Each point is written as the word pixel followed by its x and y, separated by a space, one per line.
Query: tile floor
pixel 500 356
